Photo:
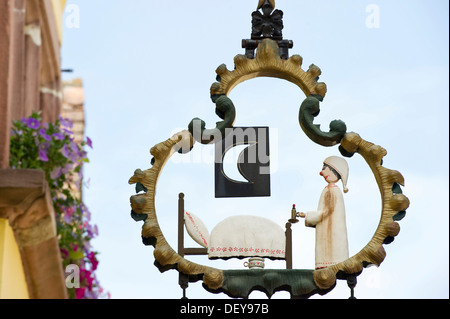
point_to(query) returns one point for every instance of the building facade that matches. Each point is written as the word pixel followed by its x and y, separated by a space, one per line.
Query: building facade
pixel 30 80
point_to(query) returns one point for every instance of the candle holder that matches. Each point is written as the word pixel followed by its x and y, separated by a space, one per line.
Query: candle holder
pixel 294 215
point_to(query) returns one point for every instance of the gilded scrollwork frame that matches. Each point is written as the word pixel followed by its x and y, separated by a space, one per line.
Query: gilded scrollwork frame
pixel 268 63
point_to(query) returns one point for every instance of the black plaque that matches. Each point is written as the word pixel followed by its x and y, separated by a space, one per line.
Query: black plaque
pixel 253 163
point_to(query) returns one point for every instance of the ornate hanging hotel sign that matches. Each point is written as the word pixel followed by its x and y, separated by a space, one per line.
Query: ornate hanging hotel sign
pixel 267 55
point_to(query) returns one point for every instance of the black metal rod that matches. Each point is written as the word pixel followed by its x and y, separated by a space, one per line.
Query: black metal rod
pixel 181 224
pixel 351 282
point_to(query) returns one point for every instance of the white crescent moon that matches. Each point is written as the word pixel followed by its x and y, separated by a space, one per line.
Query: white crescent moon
pixel 230 163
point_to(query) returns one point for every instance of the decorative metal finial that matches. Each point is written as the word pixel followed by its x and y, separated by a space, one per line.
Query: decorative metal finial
pixel 267 25
pixel 267 6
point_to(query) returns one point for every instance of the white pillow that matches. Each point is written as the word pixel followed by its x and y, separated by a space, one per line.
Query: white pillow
pixel 196 229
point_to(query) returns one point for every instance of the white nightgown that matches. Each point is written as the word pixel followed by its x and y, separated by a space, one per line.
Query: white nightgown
pixel 331 230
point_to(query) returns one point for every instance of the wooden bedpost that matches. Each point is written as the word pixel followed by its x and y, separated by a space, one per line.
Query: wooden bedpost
pixel 288 256
pixel 183 279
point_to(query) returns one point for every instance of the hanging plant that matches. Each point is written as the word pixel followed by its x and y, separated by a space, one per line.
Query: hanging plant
pixel 51 147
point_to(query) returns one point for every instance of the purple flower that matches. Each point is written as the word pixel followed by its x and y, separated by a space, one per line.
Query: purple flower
pixel 67 218
pixel 44 135
pixel 65 151
pixel 56 172
pixel 85 210
pixel 74 148
pixel 66 122
pixel 79 181
pixel 68 153
pixel 89 142
pixel 14 132
pixel 67 168
pixel 43 155
pixel 43 151
pixel 92 230
pixel 69 132
pixel 58 136
pixel 87 245
pixel 31 122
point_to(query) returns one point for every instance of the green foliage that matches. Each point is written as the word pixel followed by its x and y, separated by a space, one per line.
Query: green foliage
pixel 51 147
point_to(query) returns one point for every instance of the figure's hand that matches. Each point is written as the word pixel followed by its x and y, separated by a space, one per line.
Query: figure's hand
pixel 302 215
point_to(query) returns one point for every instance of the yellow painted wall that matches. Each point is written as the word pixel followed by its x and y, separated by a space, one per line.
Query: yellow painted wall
pixel 12 277
pixel 58 10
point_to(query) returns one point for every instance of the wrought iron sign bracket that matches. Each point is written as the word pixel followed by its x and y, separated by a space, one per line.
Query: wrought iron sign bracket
pixel 269 61
pixel 267 24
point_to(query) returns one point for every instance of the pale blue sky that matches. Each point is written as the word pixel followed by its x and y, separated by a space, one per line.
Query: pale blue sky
pixel 147 67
